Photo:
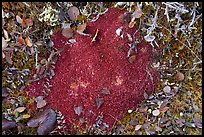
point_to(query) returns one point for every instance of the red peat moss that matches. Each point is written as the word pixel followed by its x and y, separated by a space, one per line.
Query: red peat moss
pixel 86 68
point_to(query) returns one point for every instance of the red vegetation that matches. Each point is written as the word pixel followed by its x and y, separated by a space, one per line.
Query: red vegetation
pixel 86 68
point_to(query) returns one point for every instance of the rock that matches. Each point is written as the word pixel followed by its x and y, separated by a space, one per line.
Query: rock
pixel 167 89
pixel 155 112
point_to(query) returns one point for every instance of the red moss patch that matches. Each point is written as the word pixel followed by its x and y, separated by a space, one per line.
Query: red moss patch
pixel 86 68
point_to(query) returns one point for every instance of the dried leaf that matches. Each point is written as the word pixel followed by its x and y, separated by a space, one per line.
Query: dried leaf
pixel 149 38
pixel 21 40
pixel 195 107
pixel 119 31
pixel 164 109
pixel 197 121
pixel 32 51
pixel 129 37
pixel 180 76
pixel 40 102
pixel 48 125
pixel 81 28
pixel 46 121
pixel 131 24
pixel 6 35
pixel 99 102
pixel 137 13
pixel 73 12
pixel 26 116
pixel 180 122
pixel 133 122
pixel 78 110
pixel 163 119
pixel 4 43
pixel 94 38
pixel 138 127
pixel 143 109
pixel 72 41
pixel 146 125
pixel 39 118
pixel 121 128
pixel 105 91
pixel 23 22
pixel 28 22
pixel 28 42
pixel 4 92
pixel 3 56
pixel 19 109
pixel 67 32
pixel 18 19
pixel 145 95
pixel 8 56
pixel 6 125
pixel 164 104
pixel 156 112
pixel 132 58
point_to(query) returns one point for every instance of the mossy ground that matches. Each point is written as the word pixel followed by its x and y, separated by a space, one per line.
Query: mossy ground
pixel 177 56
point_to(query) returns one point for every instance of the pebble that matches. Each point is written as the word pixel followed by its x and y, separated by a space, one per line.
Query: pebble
pixel 130 111
pixel 167 89
pixel 156 112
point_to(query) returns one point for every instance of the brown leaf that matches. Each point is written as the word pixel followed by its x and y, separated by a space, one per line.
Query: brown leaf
pixel 143 109
pixel 8 56
pixel 46 121
pixel 164 109
pixel 105 91
pixel 197 121
pixel 180 76
pixel 138 127
pixel 18 19
pixel 164 104
pixel 4 92
pixel 6 35
pixel 67 32
pixel 81 28
pixel 131 24
pixel 78 110
pixel 4 43
pixel 99 102
pixel 23 22
pixel 28 42
pixel 21 40
pixel 164 119
pixel 28 22
pixel 48 125
pixel 3 56
pixel 40 102
pixel 19 109
pixel 133 122
pixel 73 12
pixel 145 95
pixel 137 13
pixel 132 58
pixel 6 125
